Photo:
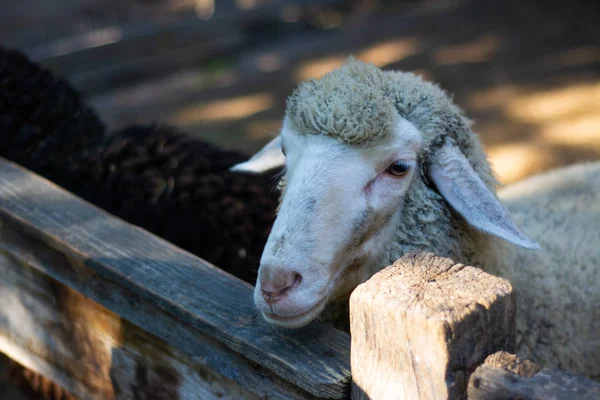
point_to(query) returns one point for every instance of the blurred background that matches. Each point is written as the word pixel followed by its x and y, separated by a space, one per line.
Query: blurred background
pixel 527 72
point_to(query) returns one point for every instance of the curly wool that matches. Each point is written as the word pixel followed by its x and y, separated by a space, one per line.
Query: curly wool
pixel 169 183
pixel 180 188
pixel 348 103
pixel 43 121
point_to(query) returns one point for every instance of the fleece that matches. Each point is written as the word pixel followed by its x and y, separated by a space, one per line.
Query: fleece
pixel 154 176
pixel 558 288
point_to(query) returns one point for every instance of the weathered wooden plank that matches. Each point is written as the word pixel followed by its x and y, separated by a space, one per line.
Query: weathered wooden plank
pixel 505 376
pixel 90 351
pixel 421 326
pixel 165 290
pixel 201 350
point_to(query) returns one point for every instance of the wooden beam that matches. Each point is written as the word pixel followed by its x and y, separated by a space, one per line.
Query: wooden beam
pixel 421 326
pixel 506 376
pixel 167 292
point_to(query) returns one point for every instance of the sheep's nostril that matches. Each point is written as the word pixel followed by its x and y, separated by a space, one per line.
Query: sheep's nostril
pixel 277 284
pixel 297 280
pixel 271 297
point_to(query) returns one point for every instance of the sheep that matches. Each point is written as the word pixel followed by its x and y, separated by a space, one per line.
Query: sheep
pixel 179 188
pixel 380 163
pixel 43 121
pixel 154 176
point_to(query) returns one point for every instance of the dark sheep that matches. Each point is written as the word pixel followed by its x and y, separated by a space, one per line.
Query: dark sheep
pixel 43 122
pixel 164 181
pixel 180 189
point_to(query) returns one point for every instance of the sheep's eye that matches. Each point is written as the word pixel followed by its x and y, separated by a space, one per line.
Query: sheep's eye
pixel 398 168
pixel 283 150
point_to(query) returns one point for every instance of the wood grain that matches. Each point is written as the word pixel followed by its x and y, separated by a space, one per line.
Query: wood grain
pixel 506 376
pixel 90 351
pixel 201 352
pixel 165 291
pixel 421 326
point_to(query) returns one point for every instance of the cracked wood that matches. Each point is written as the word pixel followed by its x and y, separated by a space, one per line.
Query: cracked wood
pixel 421 326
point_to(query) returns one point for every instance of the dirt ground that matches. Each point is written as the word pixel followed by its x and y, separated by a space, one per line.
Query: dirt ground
pixel 529 77
pixel 526 72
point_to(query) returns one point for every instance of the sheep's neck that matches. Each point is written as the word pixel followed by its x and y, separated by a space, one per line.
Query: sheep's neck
pixel 426 223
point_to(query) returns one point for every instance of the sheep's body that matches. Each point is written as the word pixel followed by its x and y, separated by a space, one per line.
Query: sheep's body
pixel 43 121
pixel 558 288
pixel 358 106
pixel 179 188
pixel 169 183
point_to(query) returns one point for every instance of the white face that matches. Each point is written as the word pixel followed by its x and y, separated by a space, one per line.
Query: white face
pixel 339 205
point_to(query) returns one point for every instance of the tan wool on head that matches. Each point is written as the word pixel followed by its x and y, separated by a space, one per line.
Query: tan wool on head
pixel 348 104
pixel 359 104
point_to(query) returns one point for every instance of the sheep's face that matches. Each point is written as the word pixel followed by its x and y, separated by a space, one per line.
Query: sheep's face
pixel 344 200
pixel 339 204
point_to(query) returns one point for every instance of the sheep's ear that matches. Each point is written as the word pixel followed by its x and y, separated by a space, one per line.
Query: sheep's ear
pixel 268 158
pixel 464 190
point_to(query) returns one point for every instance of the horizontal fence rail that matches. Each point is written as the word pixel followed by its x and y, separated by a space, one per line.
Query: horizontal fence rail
pixel 114 290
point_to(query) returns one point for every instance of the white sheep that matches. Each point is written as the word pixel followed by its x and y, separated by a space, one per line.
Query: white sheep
pixel 379 163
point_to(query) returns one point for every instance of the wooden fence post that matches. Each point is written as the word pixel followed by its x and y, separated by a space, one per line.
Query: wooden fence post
pixel 420 327
pixel 506 376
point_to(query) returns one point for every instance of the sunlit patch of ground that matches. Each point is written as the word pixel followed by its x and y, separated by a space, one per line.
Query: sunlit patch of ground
pixel 512 162
pixel 316 68
pixel 224 110
pixel 389 52
pixel 556 125
pixel 381 54
pixel 552 105
pixel 263 129
pixel 579 131
pixel 479 50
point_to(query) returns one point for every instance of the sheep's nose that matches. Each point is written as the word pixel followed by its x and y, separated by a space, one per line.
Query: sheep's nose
pixel 276 283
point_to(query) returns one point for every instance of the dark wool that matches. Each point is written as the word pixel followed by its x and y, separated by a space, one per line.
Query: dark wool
pixel 180 188
pixel 166 182
pixel 43 121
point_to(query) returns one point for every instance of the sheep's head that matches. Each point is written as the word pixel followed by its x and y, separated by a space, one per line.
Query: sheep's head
pixel 361 149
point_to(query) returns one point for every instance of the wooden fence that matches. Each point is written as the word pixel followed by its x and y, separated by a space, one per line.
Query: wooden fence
pixel 108 310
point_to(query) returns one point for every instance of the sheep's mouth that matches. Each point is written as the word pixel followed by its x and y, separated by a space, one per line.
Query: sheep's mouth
pixel 297 320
